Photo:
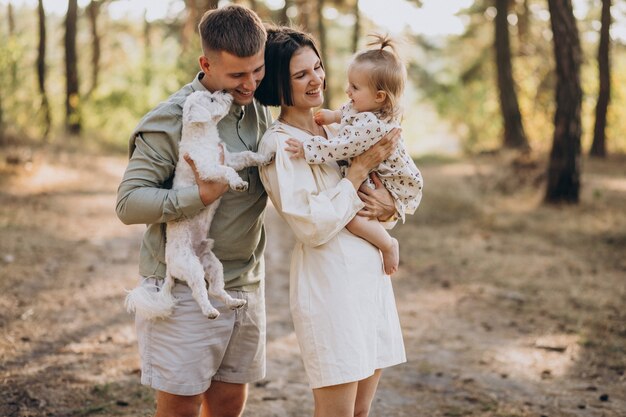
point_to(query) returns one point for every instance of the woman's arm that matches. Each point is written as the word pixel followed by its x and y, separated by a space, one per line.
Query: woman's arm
pixel 379 203
pixel 314 216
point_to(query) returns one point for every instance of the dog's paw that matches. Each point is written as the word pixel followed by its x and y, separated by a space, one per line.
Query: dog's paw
pixel 240 186
pixel 236 303
pixel 269 159
pixel 211 313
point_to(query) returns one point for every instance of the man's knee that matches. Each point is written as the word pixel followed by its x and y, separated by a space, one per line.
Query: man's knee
pixel 225 400
pixel 169 405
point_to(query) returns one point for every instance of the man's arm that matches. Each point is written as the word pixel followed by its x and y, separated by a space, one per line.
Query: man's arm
pixel 142 198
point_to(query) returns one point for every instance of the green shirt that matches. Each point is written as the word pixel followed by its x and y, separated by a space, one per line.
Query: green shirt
pixel 145 194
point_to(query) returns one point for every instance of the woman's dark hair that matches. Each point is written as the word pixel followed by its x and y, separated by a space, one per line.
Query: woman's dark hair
pixel 282 43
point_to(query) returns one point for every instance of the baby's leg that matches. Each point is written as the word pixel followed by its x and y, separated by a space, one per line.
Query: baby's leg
pixel 375 233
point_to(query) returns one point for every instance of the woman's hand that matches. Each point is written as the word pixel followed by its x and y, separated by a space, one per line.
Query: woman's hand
pixel 362 164
pixel 209 190
pixel 378 201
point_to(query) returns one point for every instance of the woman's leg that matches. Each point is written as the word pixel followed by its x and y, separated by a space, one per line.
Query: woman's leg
pixel 353 399
pixel 365 394
pixel 336 400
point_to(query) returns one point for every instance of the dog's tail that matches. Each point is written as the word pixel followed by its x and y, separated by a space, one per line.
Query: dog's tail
pixel 151 302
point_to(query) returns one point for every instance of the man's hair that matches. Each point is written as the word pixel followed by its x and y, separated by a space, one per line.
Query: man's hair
pixel 282 43
pixel 385 70
pixel 234 29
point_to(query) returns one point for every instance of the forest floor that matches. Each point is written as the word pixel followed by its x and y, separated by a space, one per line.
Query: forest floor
pixel 508 307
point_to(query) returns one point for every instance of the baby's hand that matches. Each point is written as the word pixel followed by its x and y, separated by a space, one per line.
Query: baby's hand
pixel 324 117
pixel 295 147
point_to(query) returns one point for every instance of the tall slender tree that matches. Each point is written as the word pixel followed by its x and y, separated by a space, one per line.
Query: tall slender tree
pixel 598 147
pixel 41 69
pixel 356 32
pixel 12 36
pixel 283 17
pixel 72 98
pixel 194 10
pixel 147 49
pixel 321 34
pixel 565 162
pixel 93 10
pixel 304 14
pixel 514 135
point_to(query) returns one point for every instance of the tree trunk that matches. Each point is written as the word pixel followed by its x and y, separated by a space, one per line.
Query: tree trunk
pixel 514 136
pixel 41 69
pixel 191 24
pixel 93 10
pixel 565 165
pixel 195 10
pixel 356 33
pixel 72 99
pixel 321 29
pixel 304 14
pixel 283 18
pixel 598 147
pixel 147 51
pixel 11 18
pixel 523 22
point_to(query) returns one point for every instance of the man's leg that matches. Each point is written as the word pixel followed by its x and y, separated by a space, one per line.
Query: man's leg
pixel 224 399
pixel 170 405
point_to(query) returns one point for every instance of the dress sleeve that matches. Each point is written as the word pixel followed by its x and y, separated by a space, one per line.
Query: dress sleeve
pixel 363 131
pixel 315 215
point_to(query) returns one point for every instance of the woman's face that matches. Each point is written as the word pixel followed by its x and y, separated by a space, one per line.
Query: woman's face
pixel 307 78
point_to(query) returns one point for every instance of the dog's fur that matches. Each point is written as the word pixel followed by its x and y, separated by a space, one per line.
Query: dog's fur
pixel 188 249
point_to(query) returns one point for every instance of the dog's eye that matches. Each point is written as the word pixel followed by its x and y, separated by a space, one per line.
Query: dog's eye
pixel 212 100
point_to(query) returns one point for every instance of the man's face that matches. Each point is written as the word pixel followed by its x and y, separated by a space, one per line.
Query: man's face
pixel 238 76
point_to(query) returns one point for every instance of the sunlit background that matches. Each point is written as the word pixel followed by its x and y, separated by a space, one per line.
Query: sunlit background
pixel 451 103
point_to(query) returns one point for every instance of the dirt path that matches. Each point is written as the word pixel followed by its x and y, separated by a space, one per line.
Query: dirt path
pixel 508 308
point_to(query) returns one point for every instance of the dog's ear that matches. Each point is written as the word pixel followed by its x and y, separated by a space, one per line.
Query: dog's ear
pixel 197 113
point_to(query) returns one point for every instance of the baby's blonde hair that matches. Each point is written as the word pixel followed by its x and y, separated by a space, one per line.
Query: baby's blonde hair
pixel 386 72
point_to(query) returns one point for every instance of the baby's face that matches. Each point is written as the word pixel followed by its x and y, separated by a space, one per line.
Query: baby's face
pixel 363 96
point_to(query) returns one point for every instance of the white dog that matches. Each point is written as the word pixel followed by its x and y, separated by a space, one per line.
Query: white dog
pixel 188 250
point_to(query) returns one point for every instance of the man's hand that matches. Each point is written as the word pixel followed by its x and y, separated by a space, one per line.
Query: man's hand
pixel 209 190
pixel 378 201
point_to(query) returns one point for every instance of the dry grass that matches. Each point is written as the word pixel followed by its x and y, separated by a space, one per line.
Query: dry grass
pixel 509 307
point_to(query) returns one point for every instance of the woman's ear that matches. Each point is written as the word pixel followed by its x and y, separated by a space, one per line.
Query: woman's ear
pixel 381 96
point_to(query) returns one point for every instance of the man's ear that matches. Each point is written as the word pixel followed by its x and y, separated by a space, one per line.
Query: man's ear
pixel 204 64
pixel 381 96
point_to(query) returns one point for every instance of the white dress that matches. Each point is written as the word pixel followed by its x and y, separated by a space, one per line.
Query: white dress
pixel 341 301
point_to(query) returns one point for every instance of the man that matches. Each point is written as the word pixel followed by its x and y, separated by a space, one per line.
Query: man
pixel 189 359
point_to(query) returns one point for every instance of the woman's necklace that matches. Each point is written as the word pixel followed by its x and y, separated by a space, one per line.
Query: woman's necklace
pixel 320 130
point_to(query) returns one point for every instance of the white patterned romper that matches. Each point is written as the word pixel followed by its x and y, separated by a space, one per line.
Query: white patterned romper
pixel 356 134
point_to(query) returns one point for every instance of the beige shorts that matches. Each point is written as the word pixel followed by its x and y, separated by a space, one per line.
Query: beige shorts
pixel 182 354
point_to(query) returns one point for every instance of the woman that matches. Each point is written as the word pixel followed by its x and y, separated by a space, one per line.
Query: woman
pixel 341 301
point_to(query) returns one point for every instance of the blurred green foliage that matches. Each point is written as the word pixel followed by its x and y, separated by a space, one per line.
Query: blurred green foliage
pixel 141 65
